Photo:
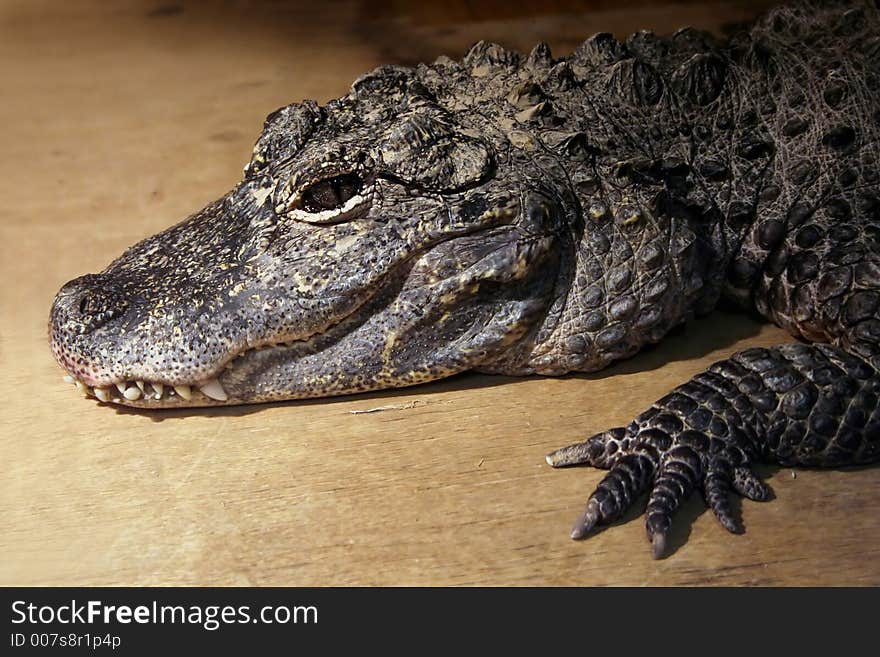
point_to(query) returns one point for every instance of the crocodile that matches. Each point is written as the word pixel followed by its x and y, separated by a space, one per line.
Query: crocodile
pixel 534 215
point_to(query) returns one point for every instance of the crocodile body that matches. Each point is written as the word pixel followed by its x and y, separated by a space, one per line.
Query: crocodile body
pixel 537 215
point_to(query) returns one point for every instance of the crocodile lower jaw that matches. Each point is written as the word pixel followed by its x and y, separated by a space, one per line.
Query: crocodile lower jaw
pixel 150 394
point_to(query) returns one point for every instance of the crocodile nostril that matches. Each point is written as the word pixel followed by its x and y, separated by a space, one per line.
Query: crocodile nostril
pixel 92 301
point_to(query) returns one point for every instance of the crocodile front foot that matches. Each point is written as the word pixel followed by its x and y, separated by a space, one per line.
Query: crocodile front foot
pixel 706 434
pixel 666 459
pixel 795 404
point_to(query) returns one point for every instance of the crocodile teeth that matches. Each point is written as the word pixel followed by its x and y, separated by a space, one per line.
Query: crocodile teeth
pixel 135 390
pixel 214 390
pixel 132 393
pixel 184 391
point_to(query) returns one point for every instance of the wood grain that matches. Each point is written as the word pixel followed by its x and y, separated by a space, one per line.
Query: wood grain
pixel 118 119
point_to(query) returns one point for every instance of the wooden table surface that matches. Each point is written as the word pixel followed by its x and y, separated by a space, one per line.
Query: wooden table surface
pixel 118 119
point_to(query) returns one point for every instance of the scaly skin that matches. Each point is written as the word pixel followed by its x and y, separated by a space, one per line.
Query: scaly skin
pixel 530 215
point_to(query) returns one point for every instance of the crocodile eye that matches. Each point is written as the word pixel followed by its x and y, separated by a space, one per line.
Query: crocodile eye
pixel 331 193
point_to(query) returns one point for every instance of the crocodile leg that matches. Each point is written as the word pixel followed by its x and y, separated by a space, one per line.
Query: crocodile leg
pixel 794 404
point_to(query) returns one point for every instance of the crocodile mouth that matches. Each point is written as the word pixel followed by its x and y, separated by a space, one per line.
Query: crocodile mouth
pixel 220 386
pixel 144 393
pixel 150 391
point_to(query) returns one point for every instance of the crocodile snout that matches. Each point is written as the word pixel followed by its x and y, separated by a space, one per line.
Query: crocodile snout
pixel 81 307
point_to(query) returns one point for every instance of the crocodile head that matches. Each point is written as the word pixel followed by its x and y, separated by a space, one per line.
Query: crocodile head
pixel 378 241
